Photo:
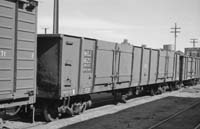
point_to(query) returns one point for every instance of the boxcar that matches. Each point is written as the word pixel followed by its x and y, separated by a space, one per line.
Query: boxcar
pixel 17 52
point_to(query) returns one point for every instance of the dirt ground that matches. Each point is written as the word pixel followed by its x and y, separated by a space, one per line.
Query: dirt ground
pixel 139 117
pixel 145 115
pixel 138 113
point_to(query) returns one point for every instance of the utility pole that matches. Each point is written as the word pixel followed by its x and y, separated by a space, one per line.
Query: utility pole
pixel 45 30
pixel 175 30
pixel 56 17
pixel 193 41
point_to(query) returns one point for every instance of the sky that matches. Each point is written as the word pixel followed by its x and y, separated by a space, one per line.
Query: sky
pixel 140 21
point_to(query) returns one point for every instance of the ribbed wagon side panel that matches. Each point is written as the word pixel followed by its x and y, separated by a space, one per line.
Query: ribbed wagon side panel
pixel 104 66
pixel 26 48
pixel 70 65
pixel 153 66
pixel 177 67
pixel 7 29
pixel 17 56
pixel 144 76
pixel 124 65
pixel 170 64
pixel 136 66
pixel 162 66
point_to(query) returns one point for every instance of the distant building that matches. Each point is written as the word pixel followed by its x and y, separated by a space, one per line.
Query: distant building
pixel 195 51
pixel 168 47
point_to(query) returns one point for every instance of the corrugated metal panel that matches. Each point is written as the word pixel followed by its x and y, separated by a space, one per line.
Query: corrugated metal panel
pixel 70 65
pixel 87 65
pixel 145 66
pixel 104 65
pixel 17 49
pixel 7 30
pixel 154 65
pixel 136 66
pixel 170 65
pixel 26 48
pixel 162 64
pixel 125 61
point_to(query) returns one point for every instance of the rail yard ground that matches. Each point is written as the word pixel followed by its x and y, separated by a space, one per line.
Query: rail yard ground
pixel 171 110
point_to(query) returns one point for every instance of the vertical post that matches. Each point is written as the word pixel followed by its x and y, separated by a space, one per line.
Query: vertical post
pixel 193 41
pixel 33 113
pixel 56 17
pixel 175 36
pixel 15 47
pixel 175 30
pixel 45 30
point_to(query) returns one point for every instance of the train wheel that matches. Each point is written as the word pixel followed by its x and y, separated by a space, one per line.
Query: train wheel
pixel 124 98
pixel 177 86
pixel 152 92
pixel 159 90
pixel 83 107
pixel 50 113
pixel 171 87
pixel 76 107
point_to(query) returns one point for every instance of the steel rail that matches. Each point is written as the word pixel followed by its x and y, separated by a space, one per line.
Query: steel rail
pixel 197 126
pixel 174 115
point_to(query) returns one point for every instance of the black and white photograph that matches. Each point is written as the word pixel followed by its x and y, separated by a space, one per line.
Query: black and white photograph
pixel 99 64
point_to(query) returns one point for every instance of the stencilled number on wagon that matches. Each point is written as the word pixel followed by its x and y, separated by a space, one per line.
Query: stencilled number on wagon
pixel 2 53
pixel 87 61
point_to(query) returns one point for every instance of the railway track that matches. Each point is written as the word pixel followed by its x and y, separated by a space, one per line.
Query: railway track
pixel 99 112
pixel 197 126
pixel 166 123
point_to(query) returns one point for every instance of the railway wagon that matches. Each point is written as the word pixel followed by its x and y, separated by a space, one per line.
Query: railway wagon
pixel 17 53
pixel 190 70
pixel 71 68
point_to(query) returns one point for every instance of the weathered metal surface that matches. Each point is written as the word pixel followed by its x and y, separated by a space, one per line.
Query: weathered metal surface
pixel 136 66
pixel 18 50
pixel 189 67
pixel 170 63
pixel 69 65
pixel 145 67
pixel 153 67
pixel 124 64
pixel 176 67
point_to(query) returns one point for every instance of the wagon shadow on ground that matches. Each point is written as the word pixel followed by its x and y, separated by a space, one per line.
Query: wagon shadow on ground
pixel 139 117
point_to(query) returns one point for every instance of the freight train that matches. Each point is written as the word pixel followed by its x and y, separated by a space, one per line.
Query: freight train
pixel 58 73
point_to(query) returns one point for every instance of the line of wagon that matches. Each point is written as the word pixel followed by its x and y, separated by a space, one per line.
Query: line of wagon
pixel 58 73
